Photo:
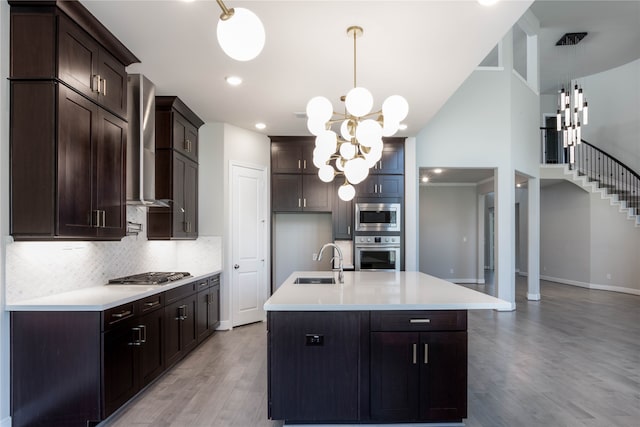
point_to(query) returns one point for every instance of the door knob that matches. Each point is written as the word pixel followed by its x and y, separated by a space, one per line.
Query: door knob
pixel 236 266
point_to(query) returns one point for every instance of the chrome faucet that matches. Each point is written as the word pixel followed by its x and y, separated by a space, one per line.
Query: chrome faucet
pixel 340 259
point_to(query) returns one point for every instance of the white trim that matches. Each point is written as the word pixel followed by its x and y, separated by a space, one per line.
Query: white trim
pixel 385 425
pixel 513 307
pixel 448 184
pixel 517 74
pixel 225 325
pixel 533 297
pixel 498 68
pixel 5 422
pixel 465 281
pixel 593 286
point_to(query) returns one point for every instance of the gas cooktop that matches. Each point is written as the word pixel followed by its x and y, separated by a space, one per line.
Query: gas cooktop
pixel 151 278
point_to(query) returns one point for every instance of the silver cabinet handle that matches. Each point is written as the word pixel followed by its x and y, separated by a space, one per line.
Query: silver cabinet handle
pixel 96 83
pixel 415 353
pixel 420 321
pixel 299 164
pixel 380 187
pixel 104 219
pixel 299 202
pixel 380 164
pixel 182 312
pixel 349 230
pixel 151 304
pixel 375 188
pixel 426 354
pixel 121 314
pixel 95 220
pixel 304 164
pixel 304 205
pixel 136 341
pixel 104 87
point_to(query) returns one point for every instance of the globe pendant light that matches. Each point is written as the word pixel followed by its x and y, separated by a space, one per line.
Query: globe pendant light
pixel 240 33
pixel 358 145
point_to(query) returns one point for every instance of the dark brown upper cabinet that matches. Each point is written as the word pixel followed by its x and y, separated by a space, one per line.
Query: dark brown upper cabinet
pixel 68 142
pixel 392 161
pixel 62 40
pixel 176 171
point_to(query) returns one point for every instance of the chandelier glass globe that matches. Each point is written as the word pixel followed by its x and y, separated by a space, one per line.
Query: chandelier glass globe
pixel 326 173
pixel 359 101
pixel 346 192
pixel 241 35
pixel 356 170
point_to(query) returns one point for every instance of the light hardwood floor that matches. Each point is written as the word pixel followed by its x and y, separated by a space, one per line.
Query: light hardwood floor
pixel 572 359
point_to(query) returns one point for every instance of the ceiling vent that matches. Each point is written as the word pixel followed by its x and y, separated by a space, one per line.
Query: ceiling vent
pixel 570 39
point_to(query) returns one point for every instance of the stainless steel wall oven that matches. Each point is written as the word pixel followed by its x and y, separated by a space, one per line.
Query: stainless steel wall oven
pixel 377 253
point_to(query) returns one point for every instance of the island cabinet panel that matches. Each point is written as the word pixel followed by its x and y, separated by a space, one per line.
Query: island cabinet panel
pixel 315 365
pixel 418 366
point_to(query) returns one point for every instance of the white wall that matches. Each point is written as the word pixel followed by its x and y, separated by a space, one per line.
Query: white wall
pixel 211 175
pixel 297 236
pixel 565 218
pixel 448 232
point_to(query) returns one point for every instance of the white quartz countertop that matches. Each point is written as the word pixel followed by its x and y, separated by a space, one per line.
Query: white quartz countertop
pixel 98 298
pixel 404 290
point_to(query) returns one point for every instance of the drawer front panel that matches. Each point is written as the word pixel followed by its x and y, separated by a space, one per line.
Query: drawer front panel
pixel 441 320
pixel 151 303
pixel 181 292
pixel 118 314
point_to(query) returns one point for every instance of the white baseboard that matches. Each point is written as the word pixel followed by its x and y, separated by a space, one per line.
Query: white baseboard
pixel 533 297
pixel 6 422
pixel 225 325
pixel 512 308
pixel 465 281
pixel 386 425
pixel 594 286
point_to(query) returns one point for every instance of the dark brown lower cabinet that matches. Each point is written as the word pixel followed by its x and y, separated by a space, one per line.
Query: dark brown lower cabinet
pixel 181 334
pixel 418 376
pixel 208 309
pixel 74 369
pixel 367 366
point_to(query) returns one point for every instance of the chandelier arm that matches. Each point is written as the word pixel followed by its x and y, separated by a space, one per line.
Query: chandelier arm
pixel 226 12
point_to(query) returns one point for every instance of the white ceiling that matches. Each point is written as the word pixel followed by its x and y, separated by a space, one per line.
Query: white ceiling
pixel 422 50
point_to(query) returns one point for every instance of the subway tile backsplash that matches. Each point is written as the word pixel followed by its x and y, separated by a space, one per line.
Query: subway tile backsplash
pixel 37 269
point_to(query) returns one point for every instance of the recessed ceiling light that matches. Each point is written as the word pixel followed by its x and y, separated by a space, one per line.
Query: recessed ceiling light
pixel 437 170
pixel 233 80
pixel 487 2
pixel 425 179
pixel 260 126
pixel 402 126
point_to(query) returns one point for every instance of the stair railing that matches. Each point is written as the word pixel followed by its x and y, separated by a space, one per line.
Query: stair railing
pixel 607 171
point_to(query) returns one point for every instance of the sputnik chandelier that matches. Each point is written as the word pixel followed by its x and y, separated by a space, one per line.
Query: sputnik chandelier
pixel 573 110
pixel 358 146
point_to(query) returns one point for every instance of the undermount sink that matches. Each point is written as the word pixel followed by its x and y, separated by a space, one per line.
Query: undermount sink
pixel 315 280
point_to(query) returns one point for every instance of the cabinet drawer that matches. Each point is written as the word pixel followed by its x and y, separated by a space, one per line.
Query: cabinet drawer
pixel 119 314
pixel 181 292
pixel 151 303
pixel 214 280
pixel 203 284
pixel 445 320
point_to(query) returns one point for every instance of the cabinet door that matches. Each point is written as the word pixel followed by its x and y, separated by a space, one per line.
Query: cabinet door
pixel 214 307
pixel 390 186
pixel 316 194
pixel 395 376
pixel 109 157
pixel 120 375
pixel 203 315
pixel 185 137
pixel 172 331
pixel 392 161
pixel 112 88
pixel 443 376
pixel 286 193
pixel 368 187
pixel 191 199
pixel 287 157
pixel 78 58
pixel 314 365
pixel 189 330
pixel 76 133
pixel 151 361
pixel 179 227
pixel 342 215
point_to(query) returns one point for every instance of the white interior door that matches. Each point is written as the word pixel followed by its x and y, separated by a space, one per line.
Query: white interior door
pixel 248 237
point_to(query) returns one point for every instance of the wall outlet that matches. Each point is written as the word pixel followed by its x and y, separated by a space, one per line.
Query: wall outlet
pixel 451 270
pixel 314 257
pixel 609 276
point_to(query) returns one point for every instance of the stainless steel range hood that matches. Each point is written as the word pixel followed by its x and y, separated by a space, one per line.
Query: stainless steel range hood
pixel 141 139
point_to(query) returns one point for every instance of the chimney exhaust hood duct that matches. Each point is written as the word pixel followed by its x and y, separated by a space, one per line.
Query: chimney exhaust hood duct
pixel 141 141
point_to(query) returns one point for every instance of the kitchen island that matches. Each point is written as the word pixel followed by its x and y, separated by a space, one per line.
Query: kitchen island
pixel 382 347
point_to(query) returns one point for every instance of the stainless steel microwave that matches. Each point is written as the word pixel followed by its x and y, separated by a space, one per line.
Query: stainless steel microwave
pixel 378 217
